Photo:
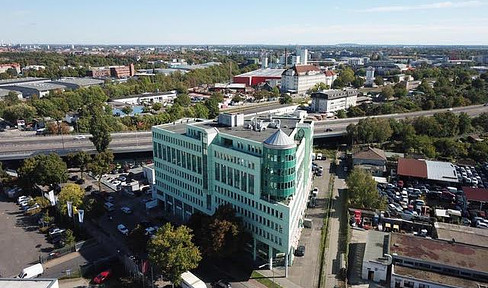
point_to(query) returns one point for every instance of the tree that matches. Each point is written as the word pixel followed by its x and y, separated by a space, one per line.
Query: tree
pixel 70 193
pixel 43 170
pixel 221 235
pixel 341 114
pixel 20 111
pixel 464 123
pixel 137 240
pixel 11 98
pixel 201 111
pixel 42 201
pixel 362 190
pixel 172 250
pixel 93 207
pixel 347 75
pixel 99 129
pixel 479 151
pixel 183 100
pixel 358 82
pixel 212 105
pixel 286 99
pixel 378 80
pixel 69 238
pixel 373 130
pixel 101 164
pixel 157 106
pixel 387 92
pixel 127 110
pixel 46 219
pixel 237 99
pixel 81 160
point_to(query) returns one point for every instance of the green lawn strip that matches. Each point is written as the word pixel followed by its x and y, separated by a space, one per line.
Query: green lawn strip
pixel 264 280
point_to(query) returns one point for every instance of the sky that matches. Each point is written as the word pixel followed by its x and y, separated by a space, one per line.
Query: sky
pixel 280 22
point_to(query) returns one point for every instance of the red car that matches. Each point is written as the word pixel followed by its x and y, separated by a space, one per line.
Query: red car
pixel 102 277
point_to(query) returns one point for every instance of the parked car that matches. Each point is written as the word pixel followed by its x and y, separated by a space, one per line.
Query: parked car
pixel 56 231
pixel 88 188
pixel 122 229
pixel 221 284
pixel 126 210
pixel 300 251
pixel 80 181
pixel 102 277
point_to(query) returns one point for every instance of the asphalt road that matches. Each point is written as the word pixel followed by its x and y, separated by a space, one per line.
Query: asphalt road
pixel 18 147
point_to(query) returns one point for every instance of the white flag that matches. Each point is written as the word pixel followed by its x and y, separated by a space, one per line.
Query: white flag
pixel 70 208
pixel 81 214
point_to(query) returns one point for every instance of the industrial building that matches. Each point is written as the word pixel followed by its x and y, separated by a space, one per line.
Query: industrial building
pixel 112 71
pixel 261 166
pixel 76 83
pixel 405 260
pixel 259 76
pixel 300 78
pixel 430 170
pixel 28 283
pixel 333 100
pixel 148 98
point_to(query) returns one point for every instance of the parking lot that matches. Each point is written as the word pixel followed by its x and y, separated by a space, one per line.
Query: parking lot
pixel 20 240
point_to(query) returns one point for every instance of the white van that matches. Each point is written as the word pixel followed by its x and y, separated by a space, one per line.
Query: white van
pixel 319 156
pixel 31 271
pixel 108 206
pixel 188 280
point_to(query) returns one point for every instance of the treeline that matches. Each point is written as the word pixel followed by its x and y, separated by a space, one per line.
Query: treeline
pixel 445 135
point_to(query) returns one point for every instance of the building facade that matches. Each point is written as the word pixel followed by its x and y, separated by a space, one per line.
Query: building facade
pixel 300 78
pixel 260 166
pixel 333 100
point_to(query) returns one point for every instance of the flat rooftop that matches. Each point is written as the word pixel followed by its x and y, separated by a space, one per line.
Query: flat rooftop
pixel 435 277
pixel 28 283
pixel 41 86
pixel 375 245
pixel 462 234
pixel 21 80
pixel 268 72
pixel 78 81
pixel 287 125
pixel 438 251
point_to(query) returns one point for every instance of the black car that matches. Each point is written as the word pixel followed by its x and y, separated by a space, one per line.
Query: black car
pixel 300 251
pixel 80 181
pixel 88 188
pixel 74 178
pixel 221 284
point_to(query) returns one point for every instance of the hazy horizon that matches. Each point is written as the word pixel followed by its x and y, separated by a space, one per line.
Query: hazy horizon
pixel 224 23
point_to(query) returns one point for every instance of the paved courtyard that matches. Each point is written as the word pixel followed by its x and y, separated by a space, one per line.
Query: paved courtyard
pixel 19 238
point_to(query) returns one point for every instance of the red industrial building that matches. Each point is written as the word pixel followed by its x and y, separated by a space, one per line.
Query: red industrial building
pixel 259 76
pixel 112 71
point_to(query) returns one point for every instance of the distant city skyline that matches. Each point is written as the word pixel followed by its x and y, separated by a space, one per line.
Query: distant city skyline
pixel 152 22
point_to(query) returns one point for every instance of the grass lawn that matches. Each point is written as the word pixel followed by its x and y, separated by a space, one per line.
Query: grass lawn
pixel 264 280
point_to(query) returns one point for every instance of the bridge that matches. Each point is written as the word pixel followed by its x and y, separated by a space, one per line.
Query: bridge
pixel 20 147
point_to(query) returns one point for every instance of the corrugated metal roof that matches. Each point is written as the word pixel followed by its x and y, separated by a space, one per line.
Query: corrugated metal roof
pixel 280 140
pixel 441 171
pixel 412 167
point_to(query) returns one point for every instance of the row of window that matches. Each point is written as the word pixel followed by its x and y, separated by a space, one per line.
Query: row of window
pixel 177 172
pixel 233 159
pixel 180 184
pixel 178 142
pixel 180 158
pixel 279 185
pixel 234 177
pixel 249 202
pixel 186 196
pixel 255 229
pixel 279 158
pixel 280 172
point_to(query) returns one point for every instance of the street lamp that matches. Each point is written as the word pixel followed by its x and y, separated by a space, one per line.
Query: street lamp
pixel 267 264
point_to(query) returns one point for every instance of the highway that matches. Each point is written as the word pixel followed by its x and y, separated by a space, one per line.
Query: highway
pixel 19 147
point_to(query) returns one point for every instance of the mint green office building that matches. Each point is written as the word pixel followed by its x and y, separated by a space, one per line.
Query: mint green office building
pixel 260 165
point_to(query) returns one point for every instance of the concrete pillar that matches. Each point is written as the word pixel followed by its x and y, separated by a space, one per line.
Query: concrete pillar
pixel 286 265
pixel 254 254
pixel 270 256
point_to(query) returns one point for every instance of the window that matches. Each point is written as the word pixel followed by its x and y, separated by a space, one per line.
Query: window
pixel 237 182
pixel 251 183
pixel 217 171
pixel 229 175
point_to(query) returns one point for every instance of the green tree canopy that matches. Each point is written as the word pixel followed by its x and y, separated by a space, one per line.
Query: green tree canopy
pixel 80 160
pixel 70 193
pixel 387 92
pixel 43 170
pixel 378 80
pixel 101 164
pixel 183 100
pixel 99 128
pixel 362 190
pixel 172 251
pixel 286 99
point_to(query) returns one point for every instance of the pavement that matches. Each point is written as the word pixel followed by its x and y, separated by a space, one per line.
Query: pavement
pixel 332 264
pixel 21 242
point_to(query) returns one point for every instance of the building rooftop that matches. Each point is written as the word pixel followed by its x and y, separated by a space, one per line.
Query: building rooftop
pixel 412 167
pixel 476 194
pixel 78 81
pixel 462 234
pixel 441 171
pixel 375 246
pixel 21 80
pixel 438 251
pixel 435 277
pixel 302 69
pixel 41 86
pixel 371 153
pixel 28 283
pixel 4 92
pixel 280 139
pixel 331 94
pixel 268 72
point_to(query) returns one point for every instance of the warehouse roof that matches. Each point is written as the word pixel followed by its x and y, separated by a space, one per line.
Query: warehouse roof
pixel 441 171
pixel 462 234
pixel 370 153
pixel 28 283
pixel 438 251
pixel 41 86
pixel 268 72
pixel 375 246
pixel 412 167
pixel 435 277
pixel 21 80
pixel 80 82
pixel 476 194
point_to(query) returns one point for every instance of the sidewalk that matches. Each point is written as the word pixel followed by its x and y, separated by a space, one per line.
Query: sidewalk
pixel 279 278
pixel 73 283
pixel 62 259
